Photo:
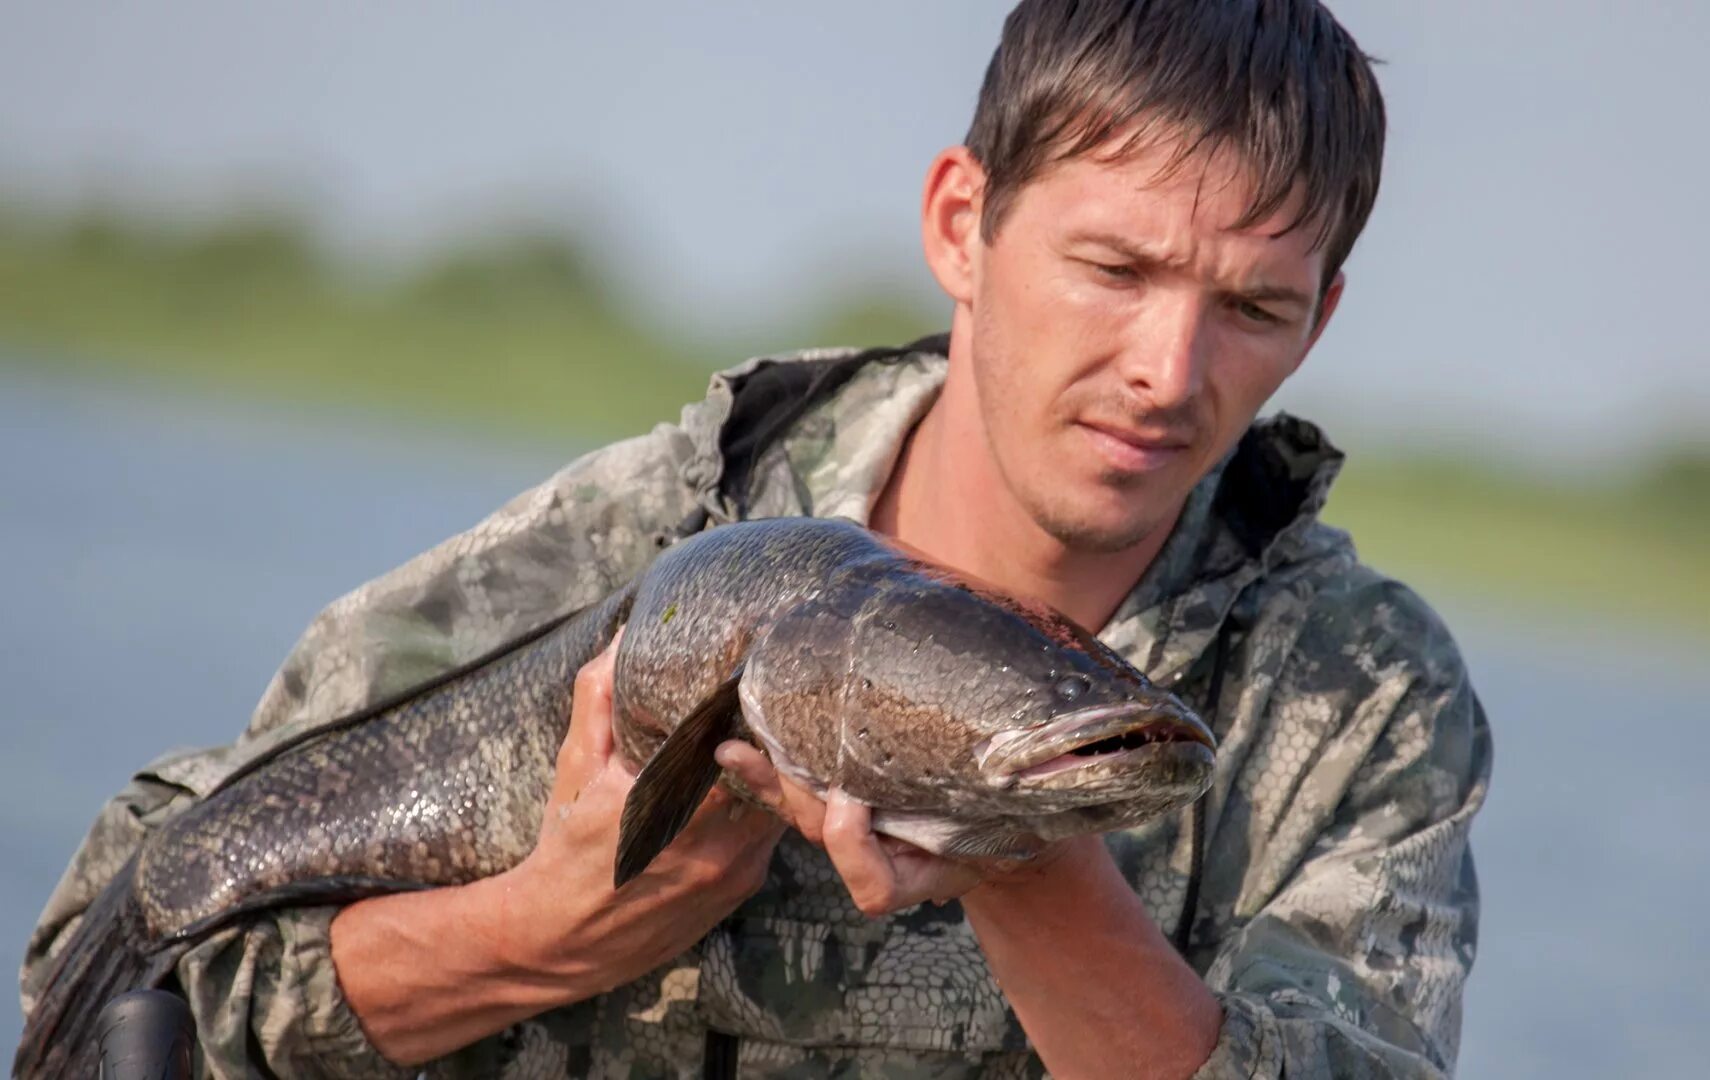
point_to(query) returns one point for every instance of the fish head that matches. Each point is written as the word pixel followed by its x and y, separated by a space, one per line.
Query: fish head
pixel 961 696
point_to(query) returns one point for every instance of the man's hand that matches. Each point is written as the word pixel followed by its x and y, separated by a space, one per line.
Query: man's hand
pixel 1098 987
pixel 604 937
pixel 428 973
pixel 882 874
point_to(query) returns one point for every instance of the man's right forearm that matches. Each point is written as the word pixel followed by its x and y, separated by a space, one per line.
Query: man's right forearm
pixel 428 973
pixel 431 972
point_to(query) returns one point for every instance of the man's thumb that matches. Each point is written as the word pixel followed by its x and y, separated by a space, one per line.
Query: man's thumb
pixel 589 743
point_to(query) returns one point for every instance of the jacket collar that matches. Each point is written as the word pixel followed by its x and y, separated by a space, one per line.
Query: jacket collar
pixel 818 433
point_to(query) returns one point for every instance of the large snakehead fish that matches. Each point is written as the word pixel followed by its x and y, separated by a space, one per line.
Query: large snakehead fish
pixel 975 726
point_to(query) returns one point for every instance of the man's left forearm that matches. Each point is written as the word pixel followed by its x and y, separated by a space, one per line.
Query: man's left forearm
pixel 1099 989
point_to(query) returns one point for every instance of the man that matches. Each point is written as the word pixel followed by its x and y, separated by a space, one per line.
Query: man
pixel 1142 239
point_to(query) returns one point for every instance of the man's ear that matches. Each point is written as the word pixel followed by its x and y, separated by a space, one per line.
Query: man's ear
pixel 950 220
pixel 1326 308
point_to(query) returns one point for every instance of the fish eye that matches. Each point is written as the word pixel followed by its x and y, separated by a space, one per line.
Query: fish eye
pixel 1071 687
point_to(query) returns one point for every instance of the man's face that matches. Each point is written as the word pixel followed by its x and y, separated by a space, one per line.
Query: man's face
pixel 1124 336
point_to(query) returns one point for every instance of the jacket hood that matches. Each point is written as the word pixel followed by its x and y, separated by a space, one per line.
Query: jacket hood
pixel 1257 511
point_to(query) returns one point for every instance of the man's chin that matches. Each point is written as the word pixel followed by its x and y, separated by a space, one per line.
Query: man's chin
pixel 1107 519
pixel 1095 535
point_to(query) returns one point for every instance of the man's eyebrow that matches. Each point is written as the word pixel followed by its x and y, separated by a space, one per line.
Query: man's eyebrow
pixel 1275 293
pixel 1134 253
pixel 1126 248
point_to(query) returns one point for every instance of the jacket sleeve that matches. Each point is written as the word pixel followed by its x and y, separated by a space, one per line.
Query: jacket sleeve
pixel 1349 959
pixel 268 988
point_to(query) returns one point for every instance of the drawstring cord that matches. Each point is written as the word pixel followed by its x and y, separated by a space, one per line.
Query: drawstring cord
pixel 1196 812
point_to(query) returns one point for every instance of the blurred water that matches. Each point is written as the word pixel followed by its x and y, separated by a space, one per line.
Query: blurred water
pixel 158 556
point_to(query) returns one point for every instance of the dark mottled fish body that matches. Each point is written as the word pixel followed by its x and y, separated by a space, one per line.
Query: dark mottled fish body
pixel 441 788
pixel 974 725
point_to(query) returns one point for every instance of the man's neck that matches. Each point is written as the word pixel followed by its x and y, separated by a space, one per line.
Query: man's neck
pixel 946 498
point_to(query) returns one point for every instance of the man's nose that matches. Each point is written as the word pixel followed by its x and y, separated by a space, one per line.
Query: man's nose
pixel 1166 353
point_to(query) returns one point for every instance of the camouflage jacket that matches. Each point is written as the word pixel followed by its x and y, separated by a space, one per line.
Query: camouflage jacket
pixel 1337 908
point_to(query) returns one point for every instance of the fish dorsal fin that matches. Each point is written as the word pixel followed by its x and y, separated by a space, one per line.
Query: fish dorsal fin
pixel 675 780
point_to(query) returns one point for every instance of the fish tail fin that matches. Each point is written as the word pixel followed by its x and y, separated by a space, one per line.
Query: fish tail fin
pixel 106 957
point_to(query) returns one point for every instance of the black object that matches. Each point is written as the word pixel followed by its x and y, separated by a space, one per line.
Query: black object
pixel 720 1060
pixel 146 1035
pixel 767 401
pixel 1183 936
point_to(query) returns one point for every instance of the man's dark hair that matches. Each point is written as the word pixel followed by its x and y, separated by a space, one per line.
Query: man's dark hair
pixel 1278 82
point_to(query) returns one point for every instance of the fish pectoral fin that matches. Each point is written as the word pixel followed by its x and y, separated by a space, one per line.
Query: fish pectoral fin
pixel 675 780
pixel 990 840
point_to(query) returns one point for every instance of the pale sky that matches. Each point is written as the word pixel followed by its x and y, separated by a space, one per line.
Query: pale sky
pixel 1533 275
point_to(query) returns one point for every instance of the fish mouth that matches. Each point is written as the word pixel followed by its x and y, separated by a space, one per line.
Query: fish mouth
pixel 1108 734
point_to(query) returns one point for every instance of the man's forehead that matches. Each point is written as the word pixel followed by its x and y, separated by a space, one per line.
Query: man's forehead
pixel 1158 202
pixel 1164 161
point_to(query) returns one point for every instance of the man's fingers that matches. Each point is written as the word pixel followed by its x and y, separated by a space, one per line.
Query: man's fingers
pixel 721 809
pixel 797 805
pixel 588 746
pixel 733 835
pixel 751 767
pixel 856 853
pixel 804 810
pixel 882 874
pixel 923 876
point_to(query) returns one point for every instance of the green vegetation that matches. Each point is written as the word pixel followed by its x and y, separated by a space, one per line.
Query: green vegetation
pixel 511 334
pixel 517 336
pixel 1635 551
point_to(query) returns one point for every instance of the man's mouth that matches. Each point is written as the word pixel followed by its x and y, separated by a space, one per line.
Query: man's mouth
pixel 1134 451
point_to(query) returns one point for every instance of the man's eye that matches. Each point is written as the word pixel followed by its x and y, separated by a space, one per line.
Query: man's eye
pixel 1114 271
pixel 1254 313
